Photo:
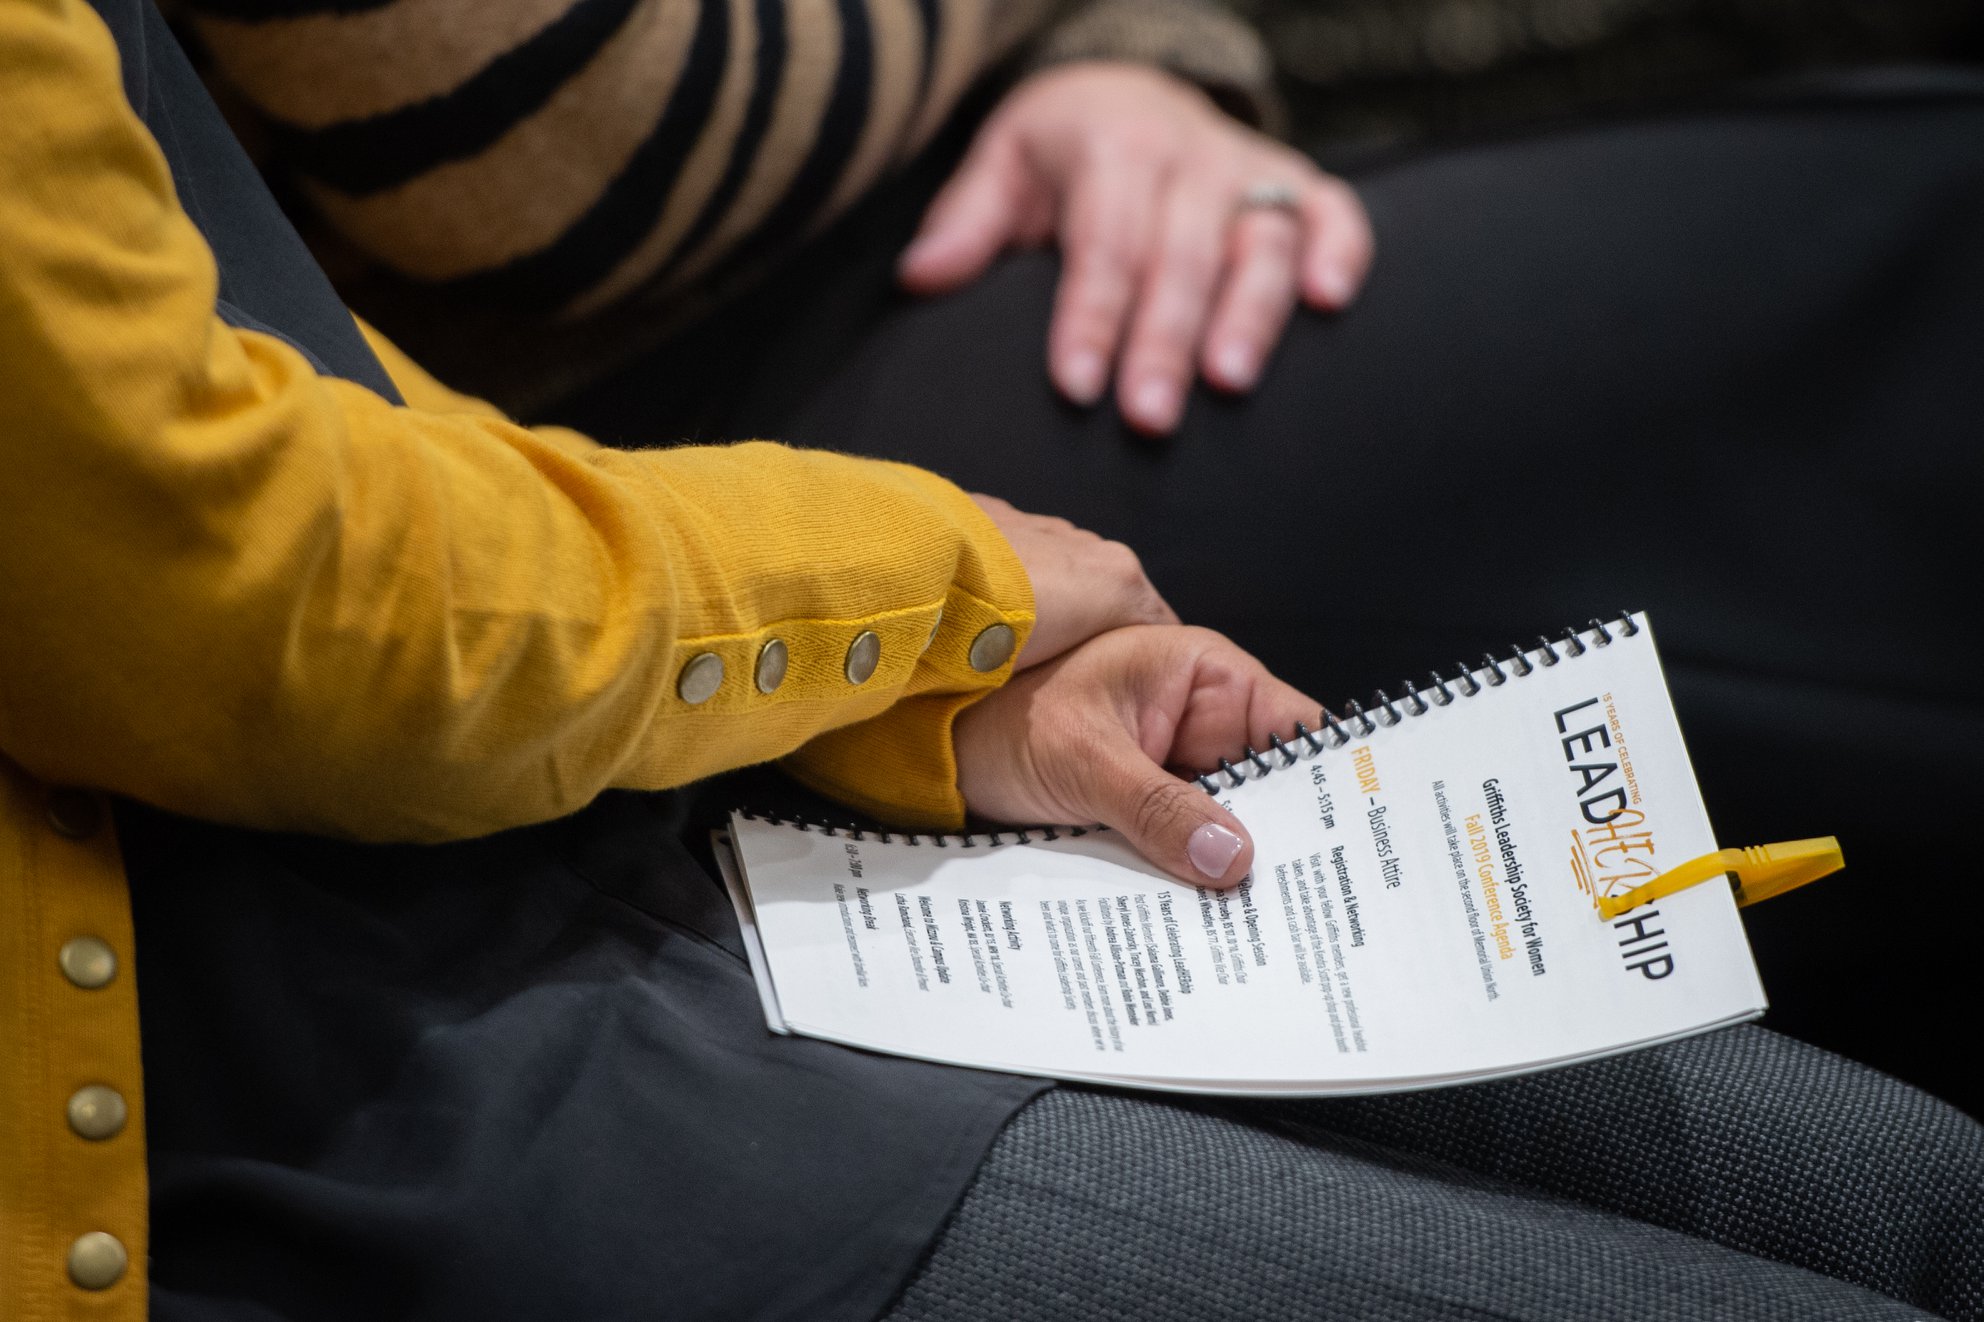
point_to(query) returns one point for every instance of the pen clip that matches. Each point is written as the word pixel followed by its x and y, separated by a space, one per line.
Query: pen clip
pixel 1756 873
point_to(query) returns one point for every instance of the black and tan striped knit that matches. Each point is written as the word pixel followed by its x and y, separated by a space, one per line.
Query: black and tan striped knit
pixel 573 158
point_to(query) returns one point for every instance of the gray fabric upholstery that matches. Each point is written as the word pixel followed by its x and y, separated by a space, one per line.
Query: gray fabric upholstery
pixel 1659 1185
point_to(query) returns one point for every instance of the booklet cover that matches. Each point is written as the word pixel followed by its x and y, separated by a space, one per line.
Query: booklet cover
pixel 1422 909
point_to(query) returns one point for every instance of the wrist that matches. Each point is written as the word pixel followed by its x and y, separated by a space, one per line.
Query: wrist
pixel 1199 43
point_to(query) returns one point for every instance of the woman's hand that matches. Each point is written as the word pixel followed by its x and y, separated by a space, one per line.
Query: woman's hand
pixel 1146 185
pixel 1086 738
pixel 1083 584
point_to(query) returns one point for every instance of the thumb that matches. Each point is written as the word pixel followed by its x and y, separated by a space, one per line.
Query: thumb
pixel 1172 822
pixel 972 219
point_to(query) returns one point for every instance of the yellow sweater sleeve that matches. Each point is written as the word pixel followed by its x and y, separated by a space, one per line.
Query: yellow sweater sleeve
pixel 241 591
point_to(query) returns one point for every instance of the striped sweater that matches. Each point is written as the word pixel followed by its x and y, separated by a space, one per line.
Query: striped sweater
pixel 586 160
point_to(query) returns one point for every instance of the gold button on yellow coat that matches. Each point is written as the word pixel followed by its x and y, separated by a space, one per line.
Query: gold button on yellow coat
pixel 96 1112
pixel 774 658
pixel 863 655
pixel 993 647
pixel 87 962
pixel 97 1260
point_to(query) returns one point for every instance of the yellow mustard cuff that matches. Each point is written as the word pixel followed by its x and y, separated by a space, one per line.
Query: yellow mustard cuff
pixel 900 766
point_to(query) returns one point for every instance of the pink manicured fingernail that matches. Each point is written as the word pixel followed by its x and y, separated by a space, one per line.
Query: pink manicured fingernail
pixel 1235 364
pixel 1212 849
pixel 1154 404
pixel 1081 377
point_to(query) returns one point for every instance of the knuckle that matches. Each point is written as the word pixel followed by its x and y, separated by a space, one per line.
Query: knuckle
pixel 1271 238
pixel 1071 751
pixel 1110 139
pixel 1096 303
pixel 1333 188
pixel 1261 307
pixel 1164 339
pixel 1159 810
pixel 1099 249
pixel 1191 264
pixel 1338 201
pixel 1165 351
pixel 1303 169
pixel 1119 140
pixel 1120 561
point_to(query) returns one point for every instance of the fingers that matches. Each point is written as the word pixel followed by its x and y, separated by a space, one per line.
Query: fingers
pixel 1194 697
pixel 1257 300
pixel 1086 738
pixel 1171 822
pixel 1322 246
pixel 1175 302
pixel 1238 705
pixel 983 208
pixel 1106 237
pixel 1207 289
pixel 1337 245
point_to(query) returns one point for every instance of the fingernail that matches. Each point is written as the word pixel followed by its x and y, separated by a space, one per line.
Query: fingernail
pixel 1081 377
pixel 1154 404
pixel 1235 365
pixel 1212 849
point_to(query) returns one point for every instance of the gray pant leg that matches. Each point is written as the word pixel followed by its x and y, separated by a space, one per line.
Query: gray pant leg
pixel 1102 1206
pixel 1746 1137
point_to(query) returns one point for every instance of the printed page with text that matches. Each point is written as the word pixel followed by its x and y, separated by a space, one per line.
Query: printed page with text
pixel 1421 910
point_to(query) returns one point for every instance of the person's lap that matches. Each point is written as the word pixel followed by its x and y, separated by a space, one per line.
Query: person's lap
pixel 527 1075
pixel 1716 365
pixel 520 1077
pixel 1107 1206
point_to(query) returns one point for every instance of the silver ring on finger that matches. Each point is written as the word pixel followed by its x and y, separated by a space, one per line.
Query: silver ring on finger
pixel 1270 195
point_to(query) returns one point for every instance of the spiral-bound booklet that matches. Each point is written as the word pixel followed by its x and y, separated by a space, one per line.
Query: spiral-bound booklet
pixel 1421 910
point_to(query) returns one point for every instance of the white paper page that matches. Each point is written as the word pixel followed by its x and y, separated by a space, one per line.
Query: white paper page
pixel 747 928
pixel 1419 912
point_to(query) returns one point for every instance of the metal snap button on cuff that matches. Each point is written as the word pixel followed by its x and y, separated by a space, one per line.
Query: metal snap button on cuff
pixel 772 661
pixel 97 1260
pixel 701 677
pixel 993 647
pixel 87 961
pixel 97 1112
pixel 863 655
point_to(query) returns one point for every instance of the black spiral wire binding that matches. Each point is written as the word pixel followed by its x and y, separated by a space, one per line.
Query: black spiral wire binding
pixel 1385 711
pixel 962 840
pixel 1419 699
